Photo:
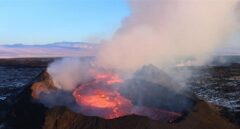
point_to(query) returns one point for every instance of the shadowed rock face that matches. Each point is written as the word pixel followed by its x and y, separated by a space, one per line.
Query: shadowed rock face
pixel 152 87
pixel 203 116
pixel 28 115
pixel 25 113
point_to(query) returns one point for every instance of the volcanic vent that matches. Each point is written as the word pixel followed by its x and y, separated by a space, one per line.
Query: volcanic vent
pixel 109 96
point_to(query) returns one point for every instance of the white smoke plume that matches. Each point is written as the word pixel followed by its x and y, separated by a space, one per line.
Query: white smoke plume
pixel 68 73
pixel 161 31
pixel 157 32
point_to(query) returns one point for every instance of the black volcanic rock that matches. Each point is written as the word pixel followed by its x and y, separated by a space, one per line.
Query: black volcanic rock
pixel 25 113
pixel 154 88
pixel 203 116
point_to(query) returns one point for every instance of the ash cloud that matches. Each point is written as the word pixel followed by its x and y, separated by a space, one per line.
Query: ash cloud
pixel 161 31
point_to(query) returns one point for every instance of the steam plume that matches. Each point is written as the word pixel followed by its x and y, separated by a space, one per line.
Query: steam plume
pixel 69 73
pixel 157 32
pixel 160 31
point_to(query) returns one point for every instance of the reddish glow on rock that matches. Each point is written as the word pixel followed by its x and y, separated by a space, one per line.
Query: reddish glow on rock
pixel 37 89
pixel 101 95
pixel 109 78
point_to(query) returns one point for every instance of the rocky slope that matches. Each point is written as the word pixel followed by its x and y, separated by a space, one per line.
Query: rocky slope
pixel 203 116
pixel 27 114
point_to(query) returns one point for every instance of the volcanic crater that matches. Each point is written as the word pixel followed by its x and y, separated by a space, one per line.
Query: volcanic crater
pixel 138 103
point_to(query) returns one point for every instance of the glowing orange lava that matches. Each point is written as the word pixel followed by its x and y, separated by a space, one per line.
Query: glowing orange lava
pixel 109 78
pixel 102 98
pixel 101 95
pixel 99 99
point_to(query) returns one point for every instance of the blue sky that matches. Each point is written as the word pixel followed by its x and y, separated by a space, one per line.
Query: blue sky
pixel 46 21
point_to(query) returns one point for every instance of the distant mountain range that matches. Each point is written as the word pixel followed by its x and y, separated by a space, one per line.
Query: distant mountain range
pixel 75 49
pixel 57 49
pixel 78 45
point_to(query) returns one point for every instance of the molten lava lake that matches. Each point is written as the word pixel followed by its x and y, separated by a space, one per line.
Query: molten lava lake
pixel 102 97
